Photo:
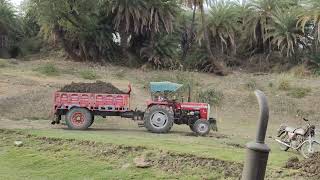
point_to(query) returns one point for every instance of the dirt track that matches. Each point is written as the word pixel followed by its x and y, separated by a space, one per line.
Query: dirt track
pixel 24 124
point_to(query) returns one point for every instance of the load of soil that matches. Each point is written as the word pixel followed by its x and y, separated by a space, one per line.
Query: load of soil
pixel 309 167
pixel 97 87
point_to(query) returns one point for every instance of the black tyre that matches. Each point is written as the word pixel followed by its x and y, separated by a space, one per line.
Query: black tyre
pixel 201 127
pixel 284 138
pixel 92 120
pixel 158 119
pixel 79 118
pixel 191 127
pixel 309 148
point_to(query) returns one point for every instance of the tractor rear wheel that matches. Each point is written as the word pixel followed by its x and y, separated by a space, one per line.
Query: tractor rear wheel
pixel 79 118
pixel 201 127
pixel 158 119
pixel 91 121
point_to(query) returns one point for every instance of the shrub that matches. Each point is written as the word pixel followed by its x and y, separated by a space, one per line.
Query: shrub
pixel 88 74
pixel 284 82
pixel 316 72
pixel 251 85
pixel 48 69
pixel 270 84
pixel 299 92
pixel 211 96
pixel 300 71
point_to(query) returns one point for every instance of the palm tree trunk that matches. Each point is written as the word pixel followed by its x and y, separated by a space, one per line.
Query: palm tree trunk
pixel 316 41
pixel 66 44
pixel 124 44
pixel 191 38
pixel 219 68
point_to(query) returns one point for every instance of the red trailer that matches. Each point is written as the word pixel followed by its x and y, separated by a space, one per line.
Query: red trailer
pixel 80 108
pixel 160 114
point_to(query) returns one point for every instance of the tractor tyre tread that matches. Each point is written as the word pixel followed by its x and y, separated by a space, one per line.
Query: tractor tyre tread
pixel 168 111
pixel 87 122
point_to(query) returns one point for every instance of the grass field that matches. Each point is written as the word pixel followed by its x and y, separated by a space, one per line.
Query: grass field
pixel 108 149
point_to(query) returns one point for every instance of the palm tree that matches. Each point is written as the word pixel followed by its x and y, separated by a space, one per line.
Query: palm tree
pixel 141 20
pixel 159 44
pixel 311 17
pixel 11 31
pixel 130 16
pixel 219 67
pixel 79 25
pixel 7 15
pixel 283 32
pixel 224 25
pixel 257 17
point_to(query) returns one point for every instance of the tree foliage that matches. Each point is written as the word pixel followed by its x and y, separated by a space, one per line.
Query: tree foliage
pixel 196 34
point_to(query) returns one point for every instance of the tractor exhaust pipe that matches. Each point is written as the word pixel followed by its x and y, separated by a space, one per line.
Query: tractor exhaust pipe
pixel 257 151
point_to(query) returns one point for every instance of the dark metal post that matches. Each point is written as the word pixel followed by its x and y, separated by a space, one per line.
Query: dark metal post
pixel 258 152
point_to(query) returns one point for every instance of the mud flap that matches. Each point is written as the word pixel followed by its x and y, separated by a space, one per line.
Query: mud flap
pixel 213 124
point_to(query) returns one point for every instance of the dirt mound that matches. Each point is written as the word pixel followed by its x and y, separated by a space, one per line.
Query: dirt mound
pixel 292 163
pixel 309 167
pixel 173 162
pixel 97 87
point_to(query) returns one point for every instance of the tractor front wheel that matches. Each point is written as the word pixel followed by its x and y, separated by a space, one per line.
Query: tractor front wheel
pixel 79 118
pixel 191 127
pixel 158 119
pixel 201 127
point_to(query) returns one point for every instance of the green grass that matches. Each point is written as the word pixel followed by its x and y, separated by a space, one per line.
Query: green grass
pixel 299 92
pixel 179 143
pixel 48 69
pixel 60 159
pixel 88 74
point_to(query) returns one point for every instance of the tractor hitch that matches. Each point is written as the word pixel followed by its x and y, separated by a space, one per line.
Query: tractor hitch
pixel 136 115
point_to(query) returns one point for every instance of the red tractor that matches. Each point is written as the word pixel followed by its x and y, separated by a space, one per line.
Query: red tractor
pixel 162 111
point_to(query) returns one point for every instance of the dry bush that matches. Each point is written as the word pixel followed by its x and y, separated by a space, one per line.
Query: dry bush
pixel 284 82
pixel 300 71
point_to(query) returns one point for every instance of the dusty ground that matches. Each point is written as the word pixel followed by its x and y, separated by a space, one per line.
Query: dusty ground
pixel 27 94
pixel 26 100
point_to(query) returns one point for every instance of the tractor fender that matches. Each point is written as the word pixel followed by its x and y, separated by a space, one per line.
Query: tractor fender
pixel 74 106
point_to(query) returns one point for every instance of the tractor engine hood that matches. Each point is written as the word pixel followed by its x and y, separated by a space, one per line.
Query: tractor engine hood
pixel 194 106
pixel 203 108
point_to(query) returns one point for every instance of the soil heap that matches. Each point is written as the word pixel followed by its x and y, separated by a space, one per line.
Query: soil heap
pixel 97 87
pixel 310 167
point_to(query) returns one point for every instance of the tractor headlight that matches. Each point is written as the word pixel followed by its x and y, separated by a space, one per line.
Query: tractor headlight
pixel 208 112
